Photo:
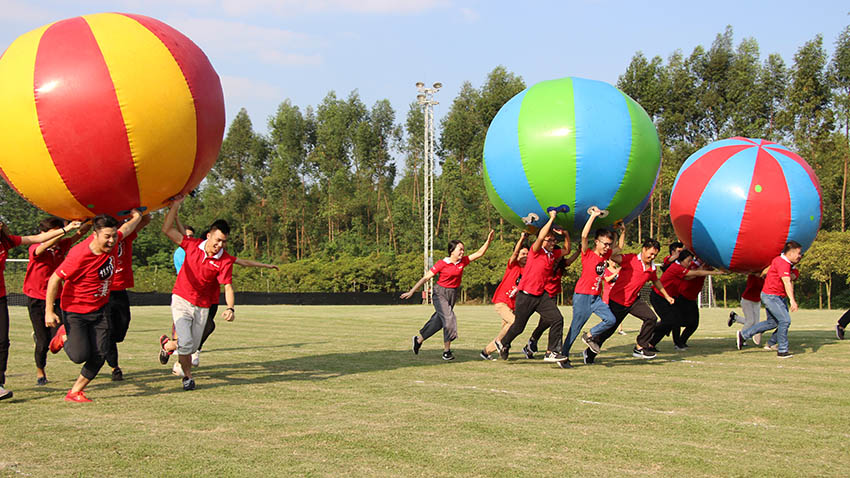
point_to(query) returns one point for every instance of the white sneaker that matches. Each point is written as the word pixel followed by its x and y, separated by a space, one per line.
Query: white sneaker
pixel 196 358
pixel 177 369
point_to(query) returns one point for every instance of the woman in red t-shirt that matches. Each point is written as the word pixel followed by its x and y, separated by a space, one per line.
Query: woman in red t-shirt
pixel 9 241
pixel 44 258
pixel 450 271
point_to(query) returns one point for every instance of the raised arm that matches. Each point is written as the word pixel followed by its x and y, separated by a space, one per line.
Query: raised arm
pixel 585 233
pixel 621 241
pixel 252 263
pixel 46 245
pixel 483 249
pixel 541 234
pixel 168 227
pixel 47 236
pixel 128 227
pixel 517 247
pixel 694 273
pixel 428 276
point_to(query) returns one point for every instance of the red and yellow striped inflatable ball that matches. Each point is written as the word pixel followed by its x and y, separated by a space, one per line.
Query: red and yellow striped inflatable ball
pixel 104 113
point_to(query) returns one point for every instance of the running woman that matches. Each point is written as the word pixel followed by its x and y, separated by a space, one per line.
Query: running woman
pixel 206 268
pixel 750 304
pixel 587 297
pixel 777 287
pixel 635 271
pixel 86 274
pixel 9 241
pixel 532 296
pixel 119 301
pixel 450 272
pixel 44 258
pixel 504 299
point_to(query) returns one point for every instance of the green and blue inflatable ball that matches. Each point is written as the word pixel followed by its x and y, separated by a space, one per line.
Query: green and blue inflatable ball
pixel 571 141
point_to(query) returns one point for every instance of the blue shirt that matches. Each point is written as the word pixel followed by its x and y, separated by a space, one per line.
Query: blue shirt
pixel 179 256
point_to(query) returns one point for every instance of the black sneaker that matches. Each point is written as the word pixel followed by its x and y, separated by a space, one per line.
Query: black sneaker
pixel 839 332
pixel 188 383
pixel 117 374
pixel 416 345
pixel 739 340
pixel 484 355
pixel 503 351
pixel 532 345
pixel 554 357
pixel 529 354
pixel 565 364
pixel 642 353
pixel 588 340
pixel 448 355
pixel 41 381
pixel 784 354
pixel 731 319
pixel 652 349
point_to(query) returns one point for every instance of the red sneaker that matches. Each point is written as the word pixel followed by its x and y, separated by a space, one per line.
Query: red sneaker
pixel 58 342
pixel 79 397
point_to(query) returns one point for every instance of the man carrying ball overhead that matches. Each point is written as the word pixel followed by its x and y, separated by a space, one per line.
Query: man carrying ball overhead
pixel 205 268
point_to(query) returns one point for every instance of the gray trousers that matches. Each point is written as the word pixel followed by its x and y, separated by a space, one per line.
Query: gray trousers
pixel 444 315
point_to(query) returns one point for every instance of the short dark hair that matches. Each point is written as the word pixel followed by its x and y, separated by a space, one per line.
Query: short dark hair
pixel 189 228
pixel 220 225
pixel 675 245
pixel 453 244
pixel 791 245
pixel 684 254
pixel 102 221
pixel 604 232
pixel 49 223
pixel 651 244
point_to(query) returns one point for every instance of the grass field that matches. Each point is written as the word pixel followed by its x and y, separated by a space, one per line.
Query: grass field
pixel 336 391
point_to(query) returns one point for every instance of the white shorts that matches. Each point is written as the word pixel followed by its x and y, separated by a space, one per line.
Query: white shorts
pixel 189 322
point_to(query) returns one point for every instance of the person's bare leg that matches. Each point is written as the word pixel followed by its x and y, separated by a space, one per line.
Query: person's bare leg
pixel 80 384
pixel 186 363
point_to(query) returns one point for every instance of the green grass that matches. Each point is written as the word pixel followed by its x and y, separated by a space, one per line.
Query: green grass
pixel 335 391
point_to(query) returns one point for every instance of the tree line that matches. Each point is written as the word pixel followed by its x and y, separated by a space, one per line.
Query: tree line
pixel 333 192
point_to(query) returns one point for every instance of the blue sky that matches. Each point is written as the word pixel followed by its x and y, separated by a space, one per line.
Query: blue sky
pixel 268 50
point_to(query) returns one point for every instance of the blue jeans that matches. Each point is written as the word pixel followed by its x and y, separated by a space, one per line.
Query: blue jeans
pixel 777 318
pixel 583 306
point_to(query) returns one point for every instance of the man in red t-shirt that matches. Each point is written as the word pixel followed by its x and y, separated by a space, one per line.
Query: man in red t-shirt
pixel 504 299
pixel 678 275
pixel 635 271
pixel 205 268
pixel 750 304
pixel 86 274
pixel 778 285
pixel 9 241
pixel 118 311
pixel 587 298
pixel 44 258
pixel 532 296
pixel 687 305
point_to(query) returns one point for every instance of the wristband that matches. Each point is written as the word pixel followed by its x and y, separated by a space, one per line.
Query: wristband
pixel 63 231
pixel 231 309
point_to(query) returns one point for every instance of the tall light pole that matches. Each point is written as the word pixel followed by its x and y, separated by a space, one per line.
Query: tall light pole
pixel 426 99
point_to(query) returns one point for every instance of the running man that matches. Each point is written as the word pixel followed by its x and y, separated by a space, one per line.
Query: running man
pixel 687 305
pixel 777 287
pixel 504 299
pixel 532 296
pixel 9 241
pixel 44 258
pixel 86 274
pixel 450 273
pixel 205 269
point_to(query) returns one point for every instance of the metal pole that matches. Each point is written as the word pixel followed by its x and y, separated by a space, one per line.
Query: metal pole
pixel 425 98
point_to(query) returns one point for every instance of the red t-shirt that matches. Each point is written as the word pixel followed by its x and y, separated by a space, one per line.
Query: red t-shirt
pixel 673 279
pixel 752 291
pixel 538 270
pixel 15 241
pixel 608 284
pixel 780 267
pixel 690 289
pixel 123 278
pixel 40 267
pixel 450 274
pixel 87 277
pixel 553 285
pixel 592 268
pixel 633 275
pixel 506 292
pixel 200 277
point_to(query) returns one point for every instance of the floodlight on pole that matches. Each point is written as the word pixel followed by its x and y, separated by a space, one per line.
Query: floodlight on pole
pixel 426 99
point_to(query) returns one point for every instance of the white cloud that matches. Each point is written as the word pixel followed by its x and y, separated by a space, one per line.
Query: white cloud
pixel 16 12
pixel 271 46
pixel 237 88
pixel 294 7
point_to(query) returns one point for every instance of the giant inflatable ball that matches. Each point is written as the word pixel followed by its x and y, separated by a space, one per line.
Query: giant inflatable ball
pixel 570 141
pixel 736 202
pixel 104 113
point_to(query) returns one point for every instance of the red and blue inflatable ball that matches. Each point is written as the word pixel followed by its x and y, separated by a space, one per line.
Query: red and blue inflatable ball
pixel 737 201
